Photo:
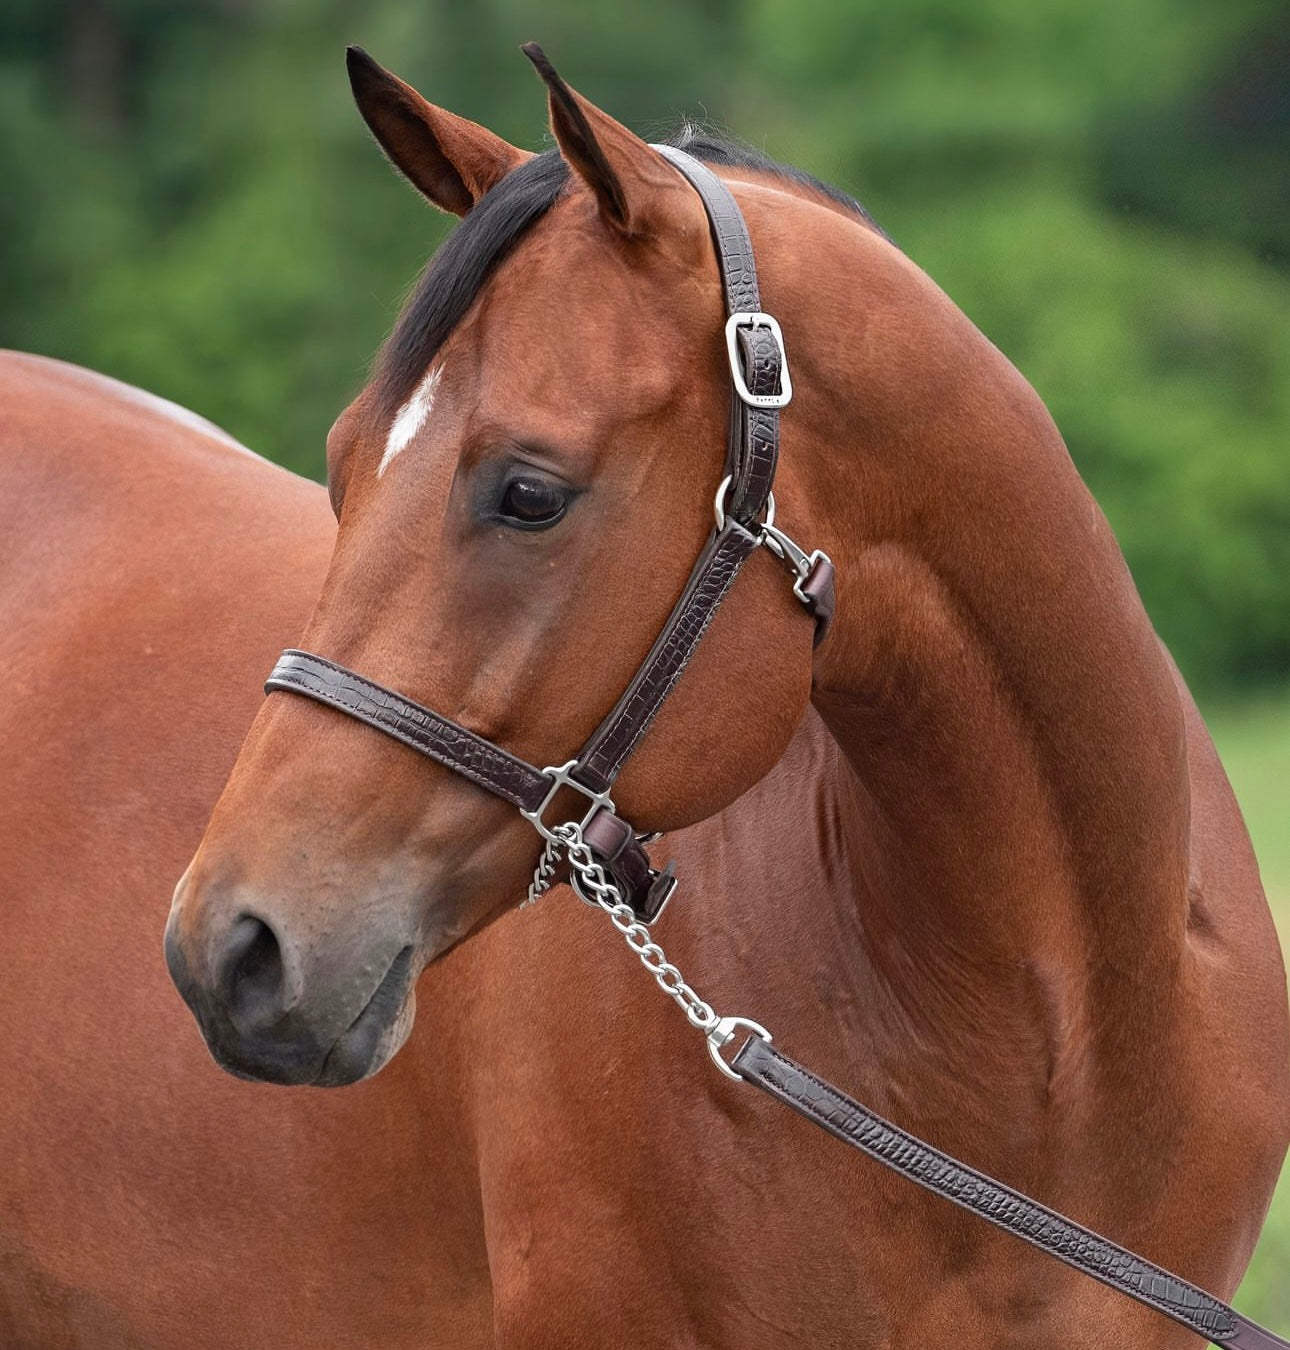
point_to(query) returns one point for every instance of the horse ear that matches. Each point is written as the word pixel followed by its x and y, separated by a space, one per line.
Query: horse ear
pixel 451 161
pixel 626 176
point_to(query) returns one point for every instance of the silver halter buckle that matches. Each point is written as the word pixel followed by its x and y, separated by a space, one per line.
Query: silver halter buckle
pixel 745 318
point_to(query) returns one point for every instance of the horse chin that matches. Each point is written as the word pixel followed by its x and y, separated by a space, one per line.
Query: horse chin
pixel 369 1044
pixel 298 1058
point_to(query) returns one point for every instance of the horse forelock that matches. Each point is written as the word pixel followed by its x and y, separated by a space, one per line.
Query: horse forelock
pixel 488 233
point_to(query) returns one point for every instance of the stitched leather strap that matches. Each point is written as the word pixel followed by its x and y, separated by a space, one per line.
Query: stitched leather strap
pixel 751 455
pixel 424 730
pixel 617 736
pixel 787 1081
pixel 753 446
pixel 505 775
pixel 729 233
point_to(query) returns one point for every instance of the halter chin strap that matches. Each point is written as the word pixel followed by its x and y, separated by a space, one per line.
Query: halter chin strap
pixel 760 387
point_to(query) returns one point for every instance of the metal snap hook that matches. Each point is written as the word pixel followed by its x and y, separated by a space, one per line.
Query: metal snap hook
pixel 723 1032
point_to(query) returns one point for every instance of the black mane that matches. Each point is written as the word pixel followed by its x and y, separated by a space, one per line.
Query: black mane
pixel 491 229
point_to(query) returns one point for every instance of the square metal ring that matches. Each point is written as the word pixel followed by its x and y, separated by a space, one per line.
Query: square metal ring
pixel 562 776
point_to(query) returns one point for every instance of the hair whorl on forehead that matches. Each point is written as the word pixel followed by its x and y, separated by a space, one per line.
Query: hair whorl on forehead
pixel 491 229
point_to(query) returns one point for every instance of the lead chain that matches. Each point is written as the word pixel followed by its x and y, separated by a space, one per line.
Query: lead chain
pixel 543 874
pixel 602 891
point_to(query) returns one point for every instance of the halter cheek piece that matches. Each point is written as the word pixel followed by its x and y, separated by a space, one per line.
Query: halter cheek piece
pixel 745 520
pixel 608 863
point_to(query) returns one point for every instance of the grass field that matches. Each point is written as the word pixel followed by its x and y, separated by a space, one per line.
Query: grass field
pixel 1254 741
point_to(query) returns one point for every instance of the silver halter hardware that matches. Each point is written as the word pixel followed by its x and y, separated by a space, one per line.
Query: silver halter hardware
pixel 561 775
pixel 775 541
pixel 756 319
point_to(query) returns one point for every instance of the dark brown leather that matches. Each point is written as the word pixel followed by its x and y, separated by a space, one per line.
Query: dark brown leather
pixel 730 238
pixel 607 835
pixel 425 731
pixel 1250 1336
pixel 819 588
pixel 613 842
pixel 751 455
pixel 617 736
pixel 753 446
pixel 787 1081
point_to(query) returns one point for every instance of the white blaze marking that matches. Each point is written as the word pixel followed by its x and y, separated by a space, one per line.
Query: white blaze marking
pixel 411 418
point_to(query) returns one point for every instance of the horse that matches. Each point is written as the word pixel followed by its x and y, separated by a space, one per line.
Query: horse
pixel 147 1200
pixel 973 855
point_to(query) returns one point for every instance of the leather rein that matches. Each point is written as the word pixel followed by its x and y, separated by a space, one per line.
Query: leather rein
pixel 607 861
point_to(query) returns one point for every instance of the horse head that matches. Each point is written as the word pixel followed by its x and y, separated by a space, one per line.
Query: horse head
pixel 520 490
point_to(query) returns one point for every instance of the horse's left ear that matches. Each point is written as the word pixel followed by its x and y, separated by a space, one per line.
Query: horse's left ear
pixel 449 160
pixel 631 182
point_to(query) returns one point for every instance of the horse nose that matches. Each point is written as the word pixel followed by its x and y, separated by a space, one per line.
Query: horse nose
pixel 259 980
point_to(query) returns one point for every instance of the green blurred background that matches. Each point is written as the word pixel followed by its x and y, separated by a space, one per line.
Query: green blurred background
pixel 190 203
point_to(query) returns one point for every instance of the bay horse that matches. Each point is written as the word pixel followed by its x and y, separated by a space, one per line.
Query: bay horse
pixel 974 857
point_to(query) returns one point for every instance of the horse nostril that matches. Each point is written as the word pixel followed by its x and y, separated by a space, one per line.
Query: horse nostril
pixel 252 972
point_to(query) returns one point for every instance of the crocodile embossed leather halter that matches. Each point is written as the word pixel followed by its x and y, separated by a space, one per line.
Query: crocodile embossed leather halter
pixel 607 862
pixel 745 520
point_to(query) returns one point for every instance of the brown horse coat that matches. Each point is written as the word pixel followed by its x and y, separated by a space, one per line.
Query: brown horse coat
pixel 993 880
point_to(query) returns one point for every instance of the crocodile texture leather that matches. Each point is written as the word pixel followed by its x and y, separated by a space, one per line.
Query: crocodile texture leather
pixel 753 446
pixel 754 439
pixel 729 233
pixel 425 731
pixel 784 1079
pixel 1250 1336
pixel 617 736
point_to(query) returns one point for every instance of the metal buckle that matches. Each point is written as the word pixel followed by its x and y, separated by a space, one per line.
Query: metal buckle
pixel 562 776
pixel 749 319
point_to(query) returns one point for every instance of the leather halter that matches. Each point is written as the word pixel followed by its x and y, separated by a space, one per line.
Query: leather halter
pixel 760 387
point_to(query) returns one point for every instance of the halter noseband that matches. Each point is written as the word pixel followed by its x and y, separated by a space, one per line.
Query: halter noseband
pixel 760 387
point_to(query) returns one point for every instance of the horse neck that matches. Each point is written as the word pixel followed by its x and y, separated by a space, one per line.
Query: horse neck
pixel 1010 721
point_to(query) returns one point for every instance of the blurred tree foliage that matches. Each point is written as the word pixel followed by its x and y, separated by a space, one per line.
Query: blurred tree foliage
pixel 190 203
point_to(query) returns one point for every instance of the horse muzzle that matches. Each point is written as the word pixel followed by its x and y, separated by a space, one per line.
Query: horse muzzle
pixel 269 1009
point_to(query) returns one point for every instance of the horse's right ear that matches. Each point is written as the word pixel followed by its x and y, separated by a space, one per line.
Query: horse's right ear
pixel 449 160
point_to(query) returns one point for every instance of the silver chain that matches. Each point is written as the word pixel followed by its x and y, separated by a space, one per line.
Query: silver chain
pixel 600 890
pixel 543 874
pixel 597 888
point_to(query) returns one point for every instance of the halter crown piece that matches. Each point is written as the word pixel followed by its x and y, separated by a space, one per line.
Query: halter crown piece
pixel 607 860
pixel 760 387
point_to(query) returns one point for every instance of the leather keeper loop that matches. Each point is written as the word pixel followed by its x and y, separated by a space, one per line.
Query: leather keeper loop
pixel 819 592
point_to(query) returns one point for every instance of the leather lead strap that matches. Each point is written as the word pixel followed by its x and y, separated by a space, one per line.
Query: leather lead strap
pixel 761 1064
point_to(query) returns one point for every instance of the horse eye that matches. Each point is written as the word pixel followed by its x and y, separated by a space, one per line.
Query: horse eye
pixel 533 502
